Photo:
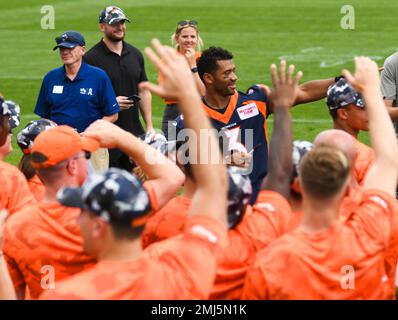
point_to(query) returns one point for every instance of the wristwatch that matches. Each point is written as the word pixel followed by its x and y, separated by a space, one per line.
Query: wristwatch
pixel 194 69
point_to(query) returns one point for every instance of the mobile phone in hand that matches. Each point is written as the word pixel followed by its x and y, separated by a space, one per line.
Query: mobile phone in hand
pixel 134 97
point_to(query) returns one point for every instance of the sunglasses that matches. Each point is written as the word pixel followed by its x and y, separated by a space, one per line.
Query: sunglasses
pixel 184 23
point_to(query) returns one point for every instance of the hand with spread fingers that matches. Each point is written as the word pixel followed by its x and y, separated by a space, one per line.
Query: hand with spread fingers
pixel 177 78
pixel 284 86
pixel 366 76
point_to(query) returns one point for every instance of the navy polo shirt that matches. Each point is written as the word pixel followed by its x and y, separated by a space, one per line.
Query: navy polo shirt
pixel 76 103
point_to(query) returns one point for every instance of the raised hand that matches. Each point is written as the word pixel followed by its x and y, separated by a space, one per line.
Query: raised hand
pixel 366 75
pixel 284 87
pixel 177 77
pixel 190 56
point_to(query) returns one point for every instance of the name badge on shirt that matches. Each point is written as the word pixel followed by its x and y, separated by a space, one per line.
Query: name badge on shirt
pixel 58 89
pixel 248 111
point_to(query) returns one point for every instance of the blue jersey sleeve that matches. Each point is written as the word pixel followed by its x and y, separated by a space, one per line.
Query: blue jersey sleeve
pixel 257 93
pixel 42 108
pixel 108 103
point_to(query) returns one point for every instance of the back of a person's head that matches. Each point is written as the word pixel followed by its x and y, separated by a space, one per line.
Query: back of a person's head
pixel 338 139
pixel 207 63
pixel 323 172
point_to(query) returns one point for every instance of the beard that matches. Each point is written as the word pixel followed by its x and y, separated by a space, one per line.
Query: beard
pixel 114 38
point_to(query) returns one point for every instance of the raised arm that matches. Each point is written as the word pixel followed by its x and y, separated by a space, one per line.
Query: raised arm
pixel 210 197
pixel 312 91
pixel 165 177
pixel 283 95
pixel 383 174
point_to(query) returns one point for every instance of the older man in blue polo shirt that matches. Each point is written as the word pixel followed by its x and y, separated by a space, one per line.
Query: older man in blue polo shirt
pixel 76 94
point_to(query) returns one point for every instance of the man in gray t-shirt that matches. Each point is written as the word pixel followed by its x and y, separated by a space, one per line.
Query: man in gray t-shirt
pixel 389 87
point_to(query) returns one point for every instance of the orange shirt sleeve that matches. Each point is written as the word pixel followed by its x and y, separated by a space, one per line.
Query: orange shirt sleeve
pixel 19 194
pixel 152 195
pixel 372 219
pixel 193 257
pixel 268 220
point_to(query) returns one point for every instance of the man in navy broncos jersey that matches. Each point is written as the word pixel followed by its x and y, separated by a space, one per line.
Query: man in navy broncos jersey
pixel 242 116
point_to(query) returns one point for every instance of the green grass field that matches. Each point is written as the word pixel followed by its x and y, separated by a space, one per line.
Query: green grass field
pixel 258 32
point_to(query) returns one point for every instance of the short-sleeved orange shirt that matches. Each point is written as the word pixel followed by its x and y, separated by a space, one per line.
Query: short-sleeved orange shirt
pixel 167 222
pixel 15 187
pixel 184 269
pixel 345 261
pixel 354 200
pixel 262 224
pixel 364 161
pixel 42 242
pixel 37 188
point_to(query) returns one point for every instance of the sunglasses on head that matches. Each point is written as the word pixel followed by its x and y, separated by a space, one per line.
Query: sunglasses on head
pixel 184 23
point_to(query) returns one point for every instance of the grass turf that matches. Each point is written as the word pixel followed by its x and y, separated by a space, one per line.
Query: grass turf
pixel 307 33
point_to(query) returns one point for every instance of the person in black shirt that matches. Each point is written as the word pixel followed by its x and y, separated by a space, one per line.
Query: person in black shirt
pixel 124 64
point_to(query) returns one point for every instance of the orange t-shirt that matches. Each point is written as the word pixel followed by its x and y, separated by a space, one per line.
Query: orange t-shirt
pixel 354 200
pixel 167 222
pixel 37 188
pixel 42 242
pixel 345 261
pixel 16 188
pixel 262 224
pixel 184 269
pixel 160 78
pixel 364 161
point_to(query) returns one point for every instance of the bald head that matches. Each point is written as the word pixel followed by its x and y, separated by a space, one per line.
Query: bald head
pixel 338 139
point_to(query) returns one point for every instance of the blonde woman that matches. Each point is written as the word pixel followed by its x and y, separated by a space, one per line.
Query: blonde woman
pixel 187 41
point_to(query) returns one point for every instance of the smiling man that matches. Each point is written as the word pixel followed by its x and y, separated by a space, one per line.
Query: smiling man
pixel 124 64
pixel 76 94
pixel 243 116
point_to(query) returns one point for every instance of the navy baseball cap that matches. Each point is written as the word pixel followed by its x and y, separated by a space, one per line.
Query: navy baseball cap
pixel 112 15
pixel 70 39
pixel 116 195
pixel 342 94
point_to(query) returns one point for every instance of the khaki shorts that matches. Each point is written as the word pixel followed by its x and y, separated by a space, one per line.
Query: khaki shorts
pixel 100 160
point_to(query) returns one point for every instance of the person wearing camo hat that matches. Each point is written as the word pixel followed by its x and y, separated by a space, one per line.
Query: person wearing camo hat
pixel 25 139
pixel 348 111
pixel 13 120
pixel 125 66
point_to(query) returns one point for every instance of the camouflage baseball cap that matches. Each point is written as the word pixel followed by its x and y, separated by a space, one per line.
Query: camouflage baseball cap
pixel 112 15
pixel 15 111
pixel 4 108
pixel 239 194
pixel 116 195
pixel 28 134
pixel 342 94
